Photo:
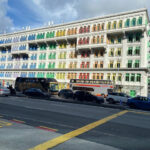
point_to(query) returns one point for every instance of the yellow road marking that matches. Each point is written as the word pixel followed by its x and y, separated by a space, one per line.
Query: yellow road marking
pixel 63 138
pixel 3 123
pixel 140 112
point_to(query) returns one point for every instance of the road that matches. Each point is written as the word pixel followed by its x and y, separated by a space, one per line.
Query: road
pixel 39 125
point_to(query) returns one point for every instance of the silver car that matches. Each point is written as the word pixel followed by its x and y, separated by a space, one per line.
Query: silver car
pixel 4 91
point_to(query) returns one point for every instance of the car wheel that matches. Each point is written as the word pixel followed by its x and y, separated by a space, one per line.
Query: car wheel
pixel 111 101
pixel 132 105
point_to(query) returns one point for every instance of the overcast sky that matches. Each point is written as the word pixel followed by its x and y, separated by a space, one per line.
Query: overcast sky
pixel 15 14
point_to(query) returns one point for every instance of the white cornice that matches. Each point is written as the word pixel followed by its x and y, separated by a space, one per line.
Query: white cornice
pixel 78 22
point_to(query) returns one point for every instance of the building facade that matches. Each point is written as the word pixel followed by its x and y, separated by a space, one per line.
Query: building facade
pixel 114 47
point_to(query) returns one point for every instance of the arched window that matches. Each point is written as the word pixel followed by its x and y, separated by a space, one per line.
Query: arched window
pixel 84 29
pixel 102 39
pixel 98 27
pixel 109 26
pixel 75 30
pixel 84 41
pixel 68 31
pixel 80 41
pixel 94 41
pixel 127 23
pixel 133 22
pixel 120 24
pixel 88 28
pixel 80 30
pixel 140 21
pixel 94 27
pixel 61 33
pixel 88 40
pixel 103 26
pixel 97 40
pixel 114 25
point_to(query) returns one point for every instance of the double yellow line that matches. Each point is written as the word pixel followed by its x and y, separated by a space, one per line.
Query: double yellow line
pixel 63 138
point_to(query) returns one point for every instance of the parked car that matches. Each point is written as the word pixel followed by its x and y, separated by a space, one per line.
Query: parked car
pixel 37 93
pixel 65 93
pixel 139 102
pixel 86 96
pixel 115 97
pixel 4 91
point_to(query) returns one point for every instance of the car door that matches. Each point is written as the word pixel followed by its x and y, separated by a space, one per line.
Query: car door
pixel 144 104
pixel 117 97
pixel 123 97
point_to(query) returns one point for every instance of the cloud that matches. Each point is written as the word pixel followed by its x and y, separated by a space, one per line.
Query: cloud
pixel 69 10
pixel 6 23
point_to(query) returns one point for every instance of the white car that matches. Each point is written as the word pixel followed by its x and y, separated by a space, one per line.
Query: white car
pixel 4 91
pixel 115 97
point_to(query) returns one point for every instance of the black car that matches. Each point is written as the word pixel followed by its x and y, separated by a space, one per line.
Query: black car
pixel 37 93
pixel 65 93
pixel 86 96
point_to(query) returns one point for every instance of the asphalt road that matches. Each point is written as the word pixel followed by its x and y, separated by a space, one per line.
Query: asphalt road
pixel 28 123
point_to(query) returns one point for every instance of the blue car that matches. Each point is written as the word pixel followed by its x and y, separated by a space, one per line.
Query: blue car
pixel 139 102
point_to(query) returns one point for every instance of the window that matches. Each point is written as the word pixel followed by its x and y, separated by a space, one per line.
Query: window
pixel 108 76
pixel 132 77
pixel 111 64
pixel 120 24
pixel 94 28
pixel 130 50
pixel 137 64
pixel 111 53
pixel 127 23
pixel 129 65
pixel 118 53
pixel 101 64
pixel 93 76
pixel 119 77
pixel 133 22
pixel 84 29
pixel 98 27
pixel 137 37
pixel 96 65
pixel 127 77
pixel 139 21
pixel 118 64
pixel 94 40
pixel 98 39
pixel 109 25
pixel 137 51
pixel 103 25
pixel 114 25
pixel 130 38
pixel 119 40
pixel 102 76
pixel 138 77
pixel 87 64
pixel 114 77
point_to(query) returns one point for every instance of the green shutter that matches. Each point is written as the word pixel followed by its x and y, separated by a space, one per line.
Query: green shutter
pixel 132 93
pixel 148 44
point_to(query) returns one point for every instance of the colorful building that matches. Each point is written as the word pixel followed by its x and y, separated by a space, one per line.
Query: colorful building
pixel 114 47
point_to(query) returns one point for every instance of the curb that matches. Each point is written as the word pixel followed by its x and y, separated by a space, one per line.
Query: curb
pixel 83 103
pixel 91 104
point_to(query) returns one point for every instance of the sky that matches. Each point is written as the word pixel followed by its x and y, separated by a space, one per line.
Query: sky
pixel 17 14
